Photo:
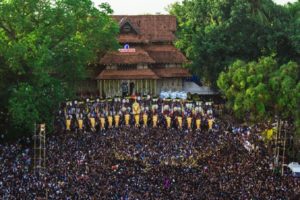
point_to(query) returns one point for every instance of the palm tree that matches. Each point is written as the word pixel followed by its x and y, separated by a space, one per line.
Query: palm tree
pixel 261 10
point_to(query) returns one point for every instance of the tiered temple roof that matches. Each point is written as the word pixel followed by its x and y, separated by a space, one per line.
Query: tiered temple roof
pixel 165 54
pixel 140 56
pixel 149 28
pixel 151 36
pixel 174 72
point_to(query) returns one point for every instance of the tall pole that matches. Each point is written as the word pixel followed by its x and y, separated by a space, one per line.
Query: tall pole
pixel 283 154
pixel 279 138
pixel 276 144
pixel 34 147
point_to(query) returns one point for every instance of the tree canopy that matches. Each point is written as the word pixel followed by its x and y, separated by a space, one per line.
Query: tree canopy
pixel 45 47
pixel 262 90
pixel 213 33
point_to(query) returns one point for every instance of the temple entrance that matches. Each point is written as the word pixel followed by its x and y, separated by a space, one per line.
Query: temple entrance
pixel 131 87
pixel 124 88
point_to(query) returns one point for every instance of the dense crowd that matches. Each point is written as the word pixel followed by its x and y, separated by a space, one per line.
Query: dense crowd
pixel 132 162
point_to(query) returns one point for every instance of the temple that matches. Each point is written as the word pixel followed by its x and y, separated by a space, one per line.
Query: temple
pixel 148 62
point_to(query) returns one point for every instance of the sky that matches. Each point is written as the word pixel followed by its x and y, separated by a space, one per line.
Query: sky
pixel 135 7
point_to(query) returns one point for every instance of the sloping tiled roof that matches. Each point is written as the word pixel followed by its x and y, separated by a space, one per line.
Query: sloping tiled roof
pixel 160 54
pixel 165 54
pixel 162 47
pixel 130 38
pixel 147 29
pixel 140 56
pixel 172 72
pixel 152 28
pixel 127 74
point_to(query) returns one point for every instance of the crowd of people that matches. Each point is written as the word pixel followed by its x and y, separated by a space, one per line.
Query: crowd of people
pixel 133 161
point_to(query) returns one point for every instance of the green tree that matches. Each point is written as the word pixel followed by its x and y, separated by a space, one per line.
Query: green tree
pixel 45 47
pixel 262 90
pixel 293 27
pixel 213 34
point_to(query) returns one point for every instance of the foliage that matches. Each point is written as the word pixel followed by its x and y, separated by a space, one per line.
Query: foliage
pixel 23 107
pixel 294 25
pixel 45 47
pixel 213 33
pixel 262 90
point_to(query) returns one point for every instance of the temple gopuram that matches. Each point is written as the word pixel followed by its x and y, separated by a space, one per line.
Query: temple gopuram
pixel 148 62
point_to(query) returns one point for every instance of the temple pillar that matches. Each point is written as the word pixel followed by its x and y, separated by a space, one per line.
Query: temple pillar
pixel 115 87
pixel 150 86
pixel 99 87
pixel 108 91
pixel 112 88
pixel 137 86
pixel 104 86
pixel 119 87
pixel 155 87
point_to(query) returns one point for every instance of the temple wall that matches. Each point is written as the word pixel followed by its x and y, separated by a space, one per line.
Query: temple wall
pixel 174 84
pixel 87 87
pixel 141 86
pixel 113 87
